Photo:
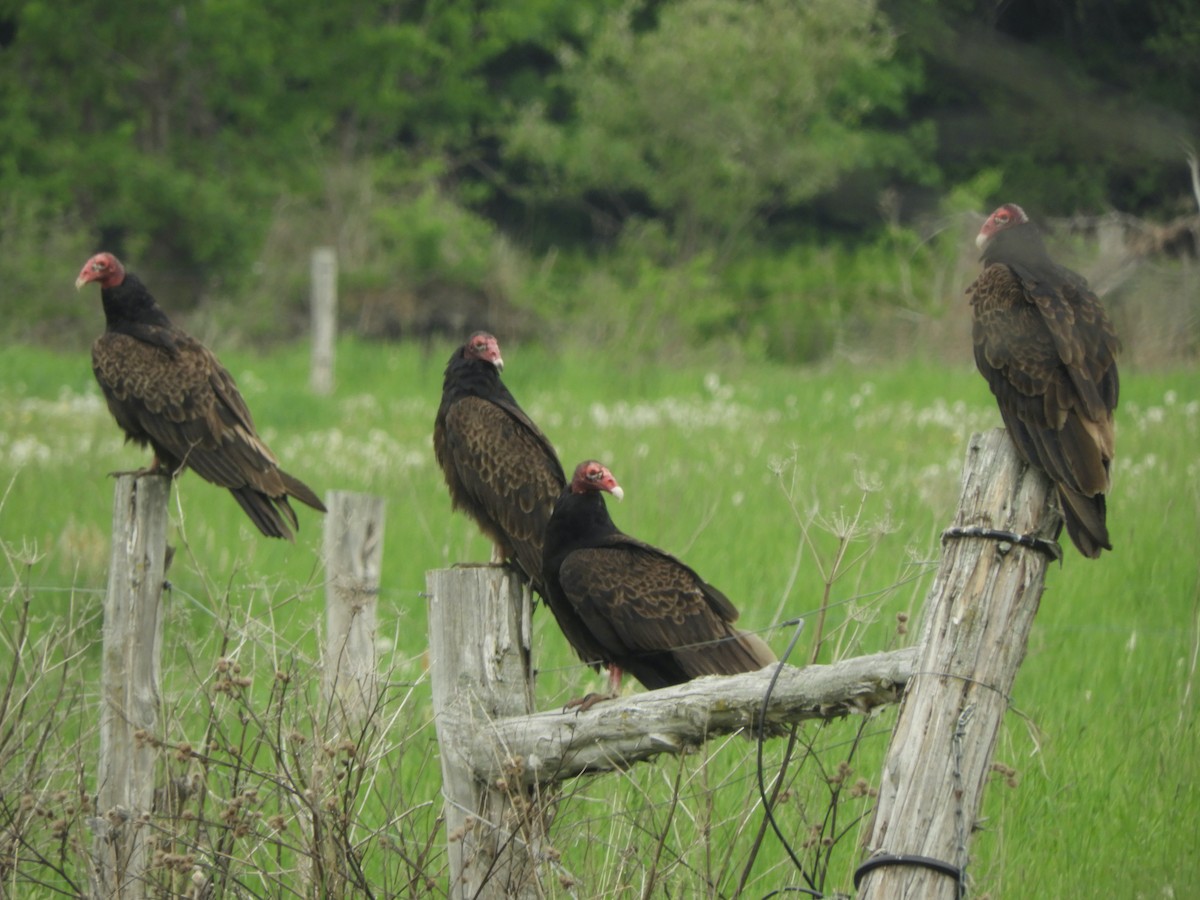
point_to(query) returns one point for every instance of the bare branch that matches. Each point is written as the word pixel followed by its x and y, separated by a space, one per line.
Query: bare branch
pixel 551 746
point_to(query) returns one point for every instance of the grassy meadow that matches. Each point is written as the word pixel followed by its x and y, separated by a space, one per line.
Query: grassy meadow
pixel 787 488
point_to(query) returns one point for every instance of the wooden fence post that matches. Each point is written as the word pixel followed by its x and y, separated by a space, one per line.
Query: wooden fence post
pixel 129 684
pixel 353 554
pixel 353 560
pixel 479 648
pixel 324 318
pixel 977 621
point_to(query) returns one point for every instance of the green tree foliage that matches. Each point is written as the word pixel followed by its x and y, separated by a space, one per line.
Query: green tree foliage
pixel 172 128
pixel 680 155
pixel 1082 104
pixel 723 111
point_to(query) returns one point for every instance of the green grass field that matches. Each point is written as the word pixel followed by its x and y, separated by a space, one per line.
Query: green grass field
pixel 726 464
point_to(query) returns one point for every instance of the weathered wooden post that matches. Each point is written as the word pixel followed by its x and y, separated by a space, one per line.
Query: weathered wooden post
pixel 479 647
pixel 977 621
pixel 353 560
pixel 129 684
pixel 324 318
pixel 353 553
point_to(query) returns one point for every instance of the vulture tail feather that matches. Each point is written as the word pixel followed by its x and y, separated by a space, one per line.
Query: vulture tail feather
pixel 270 515
pixel 301 491
pixel 1085 520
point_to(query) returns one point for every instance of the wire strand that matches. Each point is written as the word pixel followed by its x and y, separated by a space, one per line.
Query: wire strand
pixel 811 890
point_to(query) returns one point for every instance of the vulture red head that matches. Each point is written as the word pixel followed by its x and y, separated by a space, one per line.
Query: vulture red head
pixel 591 476
pixel 103 268
pixel 1006 216
pixel 482 345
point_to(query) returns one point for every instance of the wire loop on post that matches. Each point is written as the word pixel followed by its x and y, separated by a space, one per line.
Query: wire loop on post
pixel 1042 545
pixel 905 859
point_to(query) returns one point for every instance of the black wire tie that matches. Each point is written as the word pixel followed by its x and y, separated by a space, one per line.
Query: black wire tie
pixel 1048 548
pixel 904 859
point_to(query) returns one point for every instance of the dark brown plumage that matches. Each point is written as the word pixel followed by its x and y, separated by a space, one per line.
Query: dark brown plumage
pixel 500 469
pixel 630 606
pixel 1048 352
pixel 168 391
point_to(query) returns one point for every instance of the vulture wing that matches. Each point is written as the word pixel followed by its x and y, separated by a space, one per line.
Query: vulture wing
pixel 1048 351
pixel 656 617
pixel 503 472
pixel 172 393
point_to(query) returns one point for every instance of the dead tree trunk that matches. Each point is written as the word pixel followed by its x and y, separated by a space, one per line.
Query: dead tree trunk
pixel 479 649
pixel 977 621
pixel 129 685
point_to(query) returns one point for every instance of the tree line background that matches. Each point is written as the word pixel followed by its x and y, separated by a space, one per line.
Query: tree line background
pixel 780 176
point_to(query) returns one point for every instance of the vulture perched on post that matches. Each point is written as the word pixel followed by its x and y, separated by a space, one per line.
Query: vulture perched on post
pixel 1048 352
pixel 630 606
pixel 168 391
pixel 500 469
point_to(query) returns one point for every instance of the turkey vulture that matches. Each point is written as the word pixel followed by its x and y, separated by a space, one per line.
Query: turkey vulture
pixel 631 606
pixel 500 469
pixel 1047 350
pixel 169 391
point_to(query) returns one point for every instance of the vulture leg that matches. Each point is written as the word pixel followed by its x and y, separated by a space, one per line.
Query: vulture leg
pixel 588 701
pixel 155 468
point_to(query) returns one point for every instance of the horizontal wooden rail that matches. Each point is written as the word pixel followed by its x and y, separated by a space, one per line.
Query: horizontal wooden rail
pixel 550 746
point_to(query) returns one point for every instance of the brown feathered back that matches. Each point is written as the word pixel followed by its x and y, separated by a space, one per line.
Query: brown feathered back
pixel 627 604
pixel 1048 351
pixel 500 469
pixel 168 391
